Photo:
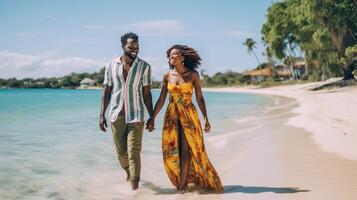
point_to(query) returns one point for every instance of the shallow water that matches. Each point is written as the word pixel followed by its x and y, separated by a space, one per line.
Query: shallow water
pixel 51 146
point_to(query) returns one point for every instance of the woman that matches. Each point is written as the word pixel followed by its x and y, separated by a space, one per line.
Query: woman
pixel 184 153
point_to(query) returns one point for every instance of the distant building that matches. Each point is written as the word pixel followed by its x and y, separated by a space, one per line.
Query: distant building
pixel 299 69
pixel 282 72
pixel 87 82
pixel 27 83
pixel 40 83
pixel 259 75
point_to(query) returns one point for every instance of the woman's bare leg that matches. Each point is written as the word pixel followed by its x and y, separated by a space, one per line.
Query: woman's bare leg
pixel 184 158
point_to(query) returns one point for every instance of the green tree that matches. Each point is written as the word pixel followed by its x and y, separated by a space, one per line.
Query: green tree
pixel 99 77
pixel 14 83
pixel 250 44
pixel 339 18
pixel 204 77
pixel 278 33
pixel 2 82
pixel 322 29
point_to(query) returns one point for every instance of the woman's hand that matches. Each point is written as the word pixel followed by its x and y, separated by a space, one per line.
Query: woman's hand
pixel 150 124
pixel 207 126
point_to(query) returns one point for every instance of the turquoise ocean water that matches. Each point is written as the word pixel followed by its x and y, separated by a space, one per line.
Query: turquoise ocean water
pixel 51 146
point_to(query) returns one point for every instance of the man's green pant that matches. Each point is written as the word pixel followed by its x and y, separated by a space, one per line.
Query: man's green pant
pixel 127 140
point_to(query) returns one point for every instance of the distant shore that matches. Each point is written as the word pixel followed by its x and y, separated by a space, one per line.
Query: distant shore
pixel 71 88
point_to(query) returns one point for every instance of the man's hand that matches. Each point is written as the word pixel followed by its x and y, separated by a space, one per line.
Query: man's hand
pixel 103 123
pixel 103 106
pixel 150 125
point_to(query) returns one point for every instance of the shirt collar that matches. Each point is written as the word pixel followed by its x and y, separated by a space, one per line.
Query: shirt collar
pixel 118 60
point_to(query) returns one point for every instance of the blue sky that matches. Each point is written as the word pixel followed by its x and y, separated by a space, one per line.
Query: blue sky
pixel 41 38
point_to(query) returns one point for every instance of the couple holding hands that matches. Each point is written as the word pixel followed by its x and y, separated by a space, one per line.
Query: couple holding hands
pixel 126 83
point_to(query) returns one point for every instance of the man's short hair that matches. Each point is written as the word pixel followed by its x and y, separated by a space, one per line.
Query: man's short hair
pixel 126 36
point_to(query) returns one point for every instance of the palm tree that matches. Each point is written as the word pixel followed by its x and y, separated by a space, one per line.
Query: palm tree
pixel 204 77
pixel 268 53
pixel 250 44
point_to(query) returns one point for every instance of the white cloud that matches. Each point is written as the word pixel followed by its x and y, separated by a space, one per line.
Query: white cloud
pixel 13 64
pixel 27 34
pixel 157 28
pixel 238 33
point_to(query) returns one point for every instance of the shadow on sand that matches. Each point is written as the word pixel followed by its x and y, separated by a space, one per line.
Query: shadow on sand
pixel 257 189
pixel 230 189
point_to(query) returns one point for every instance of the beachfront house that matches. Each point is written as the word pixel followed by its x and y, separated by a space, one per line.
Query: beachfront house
pixel 279 72
pixel 282 72
pixel 299 69
pixel 296 72
pixel 259 75
pixel 87 82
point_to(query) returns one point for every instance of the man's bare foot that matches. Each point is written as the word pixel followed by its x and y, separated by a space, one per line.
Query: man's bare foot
pixel 134 185
pixel 127 174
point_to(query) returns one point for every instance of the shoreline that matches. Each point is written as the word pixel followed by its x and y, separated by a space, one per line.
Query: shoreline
pixel 273 158
pixel 279 159
pixel 263 156
pixel 328 114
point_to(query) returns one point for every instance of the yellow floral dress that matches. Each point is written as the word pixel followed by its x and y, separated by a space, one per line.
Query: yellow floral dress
pixel 181 109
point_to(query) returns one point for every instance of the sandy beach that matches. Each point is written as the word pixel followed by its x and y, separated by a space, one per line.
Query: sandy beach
pixel 330 115
pixel 302 148
pixel 305 148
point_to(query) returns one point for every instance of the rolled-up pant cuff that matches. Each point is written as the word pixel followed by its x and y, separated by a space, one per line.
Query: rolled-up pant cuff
pixel 135 179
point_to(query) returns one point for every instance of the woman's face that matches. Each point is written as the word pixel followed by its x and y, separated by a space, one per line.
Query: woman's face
pixel 175 57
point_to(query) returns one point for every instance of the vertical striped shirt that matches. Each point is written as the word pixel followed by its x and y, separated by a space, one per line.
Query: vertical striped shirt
pixel 127 93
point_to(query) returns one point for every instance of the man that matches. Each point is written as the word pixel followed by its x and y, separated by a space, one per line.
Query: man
pixel 127 82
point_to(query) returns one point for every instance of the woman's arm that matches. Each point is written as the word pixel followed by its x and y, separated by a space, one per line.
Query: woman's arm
pixel 147 99
pixel 161 101
pixel 159 104
pixel 201 100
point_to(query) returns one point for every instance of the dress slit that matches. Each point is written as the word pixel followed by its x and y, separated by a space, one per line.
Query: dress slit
pixel 181 117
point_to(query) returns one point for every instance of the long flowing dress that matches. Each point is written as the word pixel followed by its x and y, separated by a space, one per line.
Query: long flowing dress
pixel 181 110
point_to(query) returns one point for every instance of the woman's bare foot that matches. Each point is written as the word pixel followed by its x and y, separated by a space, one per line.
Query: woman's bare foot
pixel 182 189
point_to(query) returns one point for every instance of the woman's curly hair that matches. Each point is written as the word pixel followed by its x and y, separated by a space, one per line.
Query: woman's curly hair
pixel 192 58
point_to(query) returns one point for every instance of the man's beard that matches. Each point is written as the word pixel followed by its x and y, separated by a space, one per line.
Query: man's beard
pixel 130 55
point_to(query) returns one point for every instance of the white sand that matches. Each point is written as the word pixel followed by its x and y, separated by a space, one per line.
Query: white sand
pixel 331 115
pixel 304 148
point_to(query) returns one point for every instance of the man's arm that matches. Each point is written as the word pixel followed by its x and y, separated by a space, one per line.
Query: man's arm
pixel 105 102
pixel 148 99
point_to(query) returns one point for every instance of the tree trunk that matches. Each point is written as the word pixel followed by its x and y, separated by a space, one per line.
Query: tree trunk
pixel 256 57
pixel 348 71
pixel 306 66
pixel 292 61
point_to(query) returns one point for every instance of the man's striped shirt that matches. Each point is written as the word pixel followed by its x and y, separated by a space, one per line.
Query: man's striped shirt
pixel 127 93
